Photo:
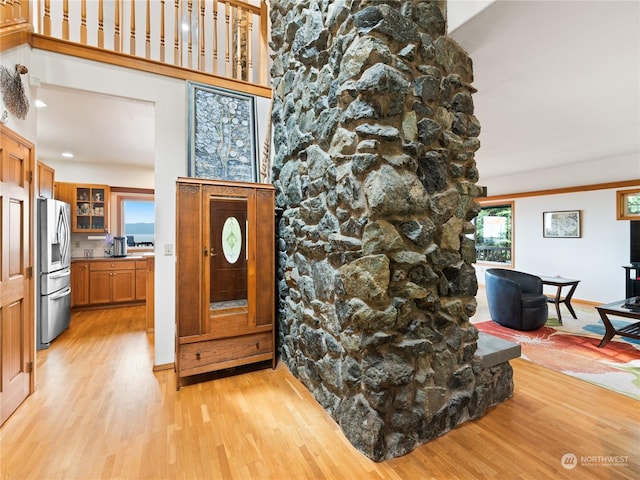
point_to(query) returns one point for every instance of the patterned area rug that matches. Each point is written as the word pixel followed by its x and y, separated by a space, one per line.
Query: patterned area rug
pixel 572 349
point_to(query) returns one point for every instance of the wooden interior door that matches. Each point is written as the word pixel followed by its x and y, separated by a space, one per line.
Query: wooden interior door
pixel 17 339
pixel 228 256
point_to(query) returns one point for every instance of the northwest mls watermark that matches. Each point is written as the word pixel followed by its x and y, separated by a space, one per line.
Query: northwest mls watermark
pixel 571 460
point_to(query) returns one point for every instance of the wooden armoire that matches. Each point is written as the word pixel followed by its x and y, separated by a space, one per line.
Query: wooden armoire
pixel 225 275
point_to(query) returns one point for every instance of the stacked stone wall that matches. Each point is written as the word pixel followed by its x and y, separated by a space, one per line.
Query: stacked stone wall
pixel 374 137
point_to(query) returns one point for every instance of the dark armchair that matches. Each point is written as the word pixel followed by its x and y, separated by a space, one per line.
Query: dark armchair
pixel 516 299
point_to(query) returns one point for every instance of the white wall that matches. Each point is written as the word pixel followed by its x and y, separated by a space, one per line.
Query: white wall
pixel 169 97
pixel 26 127
pixel 115 176
pixel 613 169
pixel 460 11
pixel 595 259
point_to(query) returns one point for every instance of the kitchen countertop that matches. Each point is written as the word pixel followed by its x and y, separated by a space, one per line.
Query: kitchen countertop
pixel 141 256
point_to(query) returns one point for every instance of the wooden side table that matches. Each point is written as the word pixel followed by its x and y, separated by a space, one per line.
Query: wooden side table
pixel 560 283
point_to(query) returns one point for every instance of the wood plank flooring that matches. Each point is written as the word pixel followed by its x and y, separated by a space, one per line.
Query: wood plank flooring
pixel 100 412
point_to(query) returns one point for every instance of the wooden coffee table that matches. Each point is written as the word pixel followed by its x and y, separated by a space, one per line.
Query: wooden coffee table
pixel 619 310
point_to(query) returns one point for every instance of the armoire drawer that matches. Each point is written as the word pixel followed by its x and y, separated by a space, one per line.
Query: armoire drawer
pixel 222 353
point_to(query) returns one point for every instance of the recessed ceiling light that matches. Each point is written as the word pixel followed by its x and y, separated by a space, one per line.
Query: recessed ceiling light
pixel 67 154
pixel 40 104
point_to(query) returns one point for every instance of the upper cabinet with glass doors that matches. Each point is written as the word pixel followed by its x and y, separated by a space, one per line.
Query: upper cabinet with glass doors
pixel 89 206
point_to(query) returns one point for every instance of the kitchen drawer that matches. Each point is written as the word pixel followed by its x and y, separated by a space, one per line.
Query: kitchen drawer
pixel 112 265
pixel 141 264
pixel 205 356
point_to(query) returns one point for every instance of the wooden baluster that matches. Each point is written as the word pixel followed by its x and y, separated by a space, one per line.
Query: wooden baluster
pixel 65 20
pixel 189 34
pixel 228 41
pixel 17 10
pixel 24 6
pixel 215 36
pixel 162 6
pixel 238 49
pixel 238 43
pixel 147 46
pixel 100 23
pixel 177 58
pixel 26 10
pixel 8 8
pixel 46 19
pixel 249 64
pixel 117 40
pixel 83 22
pixel 201 61
pixel 263 75
pixel 132 29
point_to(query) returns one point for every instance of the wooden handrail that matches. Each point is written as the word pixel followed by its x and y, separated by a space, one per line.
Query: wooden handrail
pixel 196 29
pixel 43 42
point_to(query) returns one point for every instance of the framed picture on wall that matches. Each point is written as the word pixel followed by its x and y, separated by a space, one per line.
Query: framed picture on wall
pixel 563 224
pixel 628 204
pixel 222 134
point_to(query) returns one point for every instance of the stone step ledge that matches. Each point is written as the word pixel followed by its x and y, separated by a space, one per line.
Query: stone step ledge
pixel 493 351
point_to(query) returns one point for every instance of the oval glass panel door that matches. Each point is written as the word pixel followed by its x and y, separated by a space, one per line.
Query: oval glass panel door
pixel 228 267
pixel 231 239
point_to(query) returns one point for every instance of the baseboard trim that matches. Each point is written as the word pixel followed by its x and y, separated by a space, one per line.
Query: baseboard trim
pixel 164 366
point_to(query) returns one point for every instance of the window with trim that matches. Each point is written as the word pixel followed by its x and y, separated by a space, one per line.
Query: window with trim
pixel 494 229
pixel 136 219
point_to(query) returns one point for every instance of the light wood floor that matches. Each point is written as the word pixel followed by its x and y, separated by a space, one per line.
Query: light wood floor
pixel 101 413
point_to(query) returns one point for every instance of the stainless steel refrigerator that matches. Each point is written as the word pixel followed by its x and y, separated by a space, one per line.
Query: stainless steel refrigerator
pixel 54 285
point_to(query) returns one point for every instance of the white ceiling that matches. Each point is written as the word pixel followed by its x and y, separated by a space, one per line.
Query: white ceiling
pixel 95 128
pixel 558 84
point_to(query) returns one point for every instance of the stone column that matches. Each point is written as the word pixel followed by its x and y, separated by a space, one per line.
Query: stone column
pixel 374 168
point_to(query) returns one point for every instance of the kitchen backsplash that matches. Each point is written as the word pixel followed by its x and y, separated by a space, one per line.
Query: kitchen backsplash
pixel 95 246
pixel 84 247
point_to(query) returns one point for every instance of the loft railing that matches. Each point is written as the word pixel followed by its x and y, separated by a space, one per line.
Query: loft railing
pixel 227 38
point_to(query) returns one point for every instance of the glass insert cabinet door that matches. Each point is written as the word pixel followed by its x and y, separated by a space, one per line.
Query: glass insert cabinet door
pixel 228 253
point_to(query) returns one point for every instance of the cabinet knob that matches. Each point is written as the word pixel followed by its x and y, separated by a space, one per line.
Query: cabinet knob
pixel 197 355
pixel 257 345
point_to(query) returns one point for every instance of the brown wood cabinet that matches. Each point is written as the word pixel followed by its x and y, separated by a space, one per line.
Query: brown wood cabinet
pixel 66 192
pixel 141 279
pixel 102 282
pixel 150 300
pixel 46 180
pixel 89 206
pixel 225 275
pixel 112 282
pixel 79 284
pixel 90 209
